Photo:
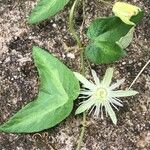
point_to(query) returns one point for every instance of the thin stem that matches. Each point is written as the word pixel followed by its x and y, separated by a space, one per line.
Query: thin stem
pixel 139 74
pixel 82 132
pixel 81 48
pixel 82 70
pixel 71 23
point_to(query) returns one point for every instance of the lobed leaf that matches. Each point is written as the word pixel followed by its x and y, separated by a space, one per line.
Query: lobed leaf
pixel 59 87
pixel 109 36
pixel 110 28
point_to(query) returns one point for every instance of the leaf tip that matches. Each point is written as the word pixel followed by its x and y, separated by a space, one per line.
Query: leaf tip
pixel 115 122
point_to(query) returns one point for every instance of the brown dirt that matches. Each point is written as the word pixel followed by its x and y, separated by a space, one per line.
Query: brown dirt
pixel 19 80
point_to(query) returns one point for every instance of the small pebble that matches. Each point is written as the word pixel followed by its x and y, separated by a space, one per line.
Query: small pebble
pixel 54 25
pixel 130 61
pixel 70 55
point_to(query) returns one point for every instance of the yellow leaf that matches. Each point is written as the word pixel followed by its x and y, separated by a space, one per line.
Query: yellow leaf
pixel 125 11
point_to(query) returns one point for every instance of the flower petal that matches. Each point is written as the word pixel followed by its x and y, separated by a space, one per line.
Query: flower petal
pixel 91 109
pixel 115 101
pixel 83 80
pixel 97 110
pixel 86 93
pixel 96 79
pixel 84 106
pixel 111 113
pixel 121 93
pixel 83 97
pixel 117 84
pixel 107 77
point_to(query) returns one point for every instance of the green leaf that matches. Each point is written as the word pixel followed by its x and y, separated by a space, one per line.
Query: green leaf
pixel 103 52
pixel 58 88
pixel 99 26
pixel 125 11
pixel 46 9
pixel 125 41
pixel 112 31
pixel 110 28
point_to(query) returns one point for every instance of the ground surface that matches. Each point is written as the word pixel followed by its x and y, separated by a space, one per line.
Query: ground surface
pixel 19 80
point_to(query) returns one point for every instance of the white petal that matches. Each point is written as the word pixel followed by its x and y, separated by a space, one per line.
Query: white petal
pixel 96 79
pixel 115 101
pixel 84 90
pixel 86 93
pixel 117 84
pixel 83 97
pixel 84 106
pixel 91 109
pixel 97 110
pixel 83 80
pixel 101 107
pixel 121 93
pixel 111 113
pixel 114 106
pixel 107 77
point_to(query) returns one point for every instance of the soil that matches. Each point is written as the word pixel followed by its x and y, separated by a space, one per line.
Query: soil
pixel 19 79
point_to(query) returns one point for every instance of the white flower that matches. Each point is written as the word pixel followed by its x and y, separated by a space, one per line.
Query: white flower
pixel 101 95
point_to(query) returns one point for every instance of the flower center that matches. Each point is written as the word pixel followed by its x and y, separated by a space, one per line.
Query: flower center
pixel 101 94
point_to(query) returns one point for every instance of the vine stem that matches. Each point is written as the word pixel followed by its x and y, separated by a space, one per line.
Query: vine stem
pixel 81 48
pixel 71 24
pixel 82 132
pixel 75 35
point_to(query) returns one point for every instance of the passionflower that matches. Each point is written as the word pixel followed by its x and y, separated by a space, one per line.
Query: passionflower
pixel 101 95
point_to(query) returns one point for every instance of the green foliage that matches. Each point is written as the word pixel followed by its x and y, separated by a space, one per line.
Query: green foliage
pixel 125 41
pixel 46 9
pixel 101 52
pixel 58 89
pixel 108 31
